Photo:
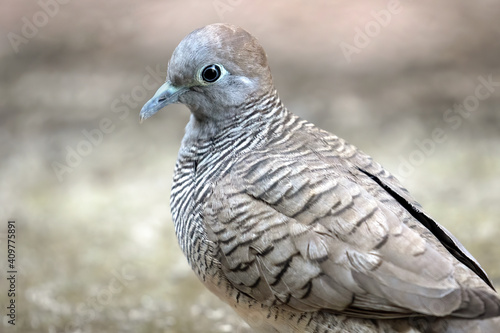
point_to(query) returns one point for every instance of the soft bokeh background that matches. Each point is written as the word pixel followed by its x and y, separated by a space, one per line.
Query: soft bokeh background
pixel 96 250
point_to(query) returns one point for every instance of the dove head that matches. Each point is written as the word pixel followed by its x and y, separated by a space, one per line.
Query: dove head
pixel 214 70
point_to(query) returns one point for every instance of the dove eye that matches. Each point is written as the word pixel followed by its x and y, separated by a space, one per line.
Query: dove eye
pixel 211 73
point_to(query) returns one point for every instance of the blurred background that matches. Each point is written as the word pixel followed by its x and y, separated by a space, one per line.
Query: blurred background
pixel 414 84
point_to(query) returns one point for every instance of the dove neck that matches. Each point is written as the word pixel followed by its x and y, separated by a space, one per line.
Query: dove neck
pixel 259 118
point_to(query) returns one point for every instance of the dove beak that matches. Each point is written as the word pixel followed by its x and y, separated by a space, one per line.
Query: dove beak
pixel 165 95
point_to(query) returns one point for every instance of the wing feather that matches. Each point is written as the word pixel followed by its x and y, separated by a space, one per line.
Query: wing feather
pixel 305 235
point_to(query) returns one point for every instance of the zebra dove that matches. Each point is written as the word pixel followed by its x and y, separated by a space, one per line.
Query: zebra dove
pixel 292 226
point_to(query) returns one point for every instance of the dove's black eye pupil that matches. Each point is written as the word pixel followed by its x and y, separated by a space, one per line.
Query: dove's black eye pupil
pixel 211 73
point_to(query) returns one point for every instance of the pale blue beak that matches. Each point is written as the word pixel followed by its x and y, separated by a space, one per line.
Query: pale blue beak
pixel 165 95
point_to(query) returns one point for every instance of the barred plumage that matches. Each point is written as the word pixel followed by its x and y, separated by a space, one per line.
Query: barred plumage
pixel 292 225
